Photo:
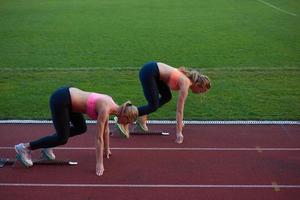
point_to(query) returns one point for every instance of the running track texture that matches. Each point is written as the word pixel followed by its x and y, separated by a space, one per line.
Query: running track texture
pixel 214 162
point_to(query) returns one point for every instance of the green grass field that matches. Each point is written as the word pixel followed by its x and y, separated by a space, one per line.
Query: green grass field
pixel 250 50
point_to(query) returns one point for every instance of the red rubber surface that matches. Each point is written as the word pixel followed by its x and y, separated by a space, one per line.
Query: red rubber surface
pixel 215 173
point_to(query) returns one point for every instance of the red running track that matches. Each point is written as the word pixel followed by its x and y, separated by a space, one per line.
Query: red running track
pixel 214 162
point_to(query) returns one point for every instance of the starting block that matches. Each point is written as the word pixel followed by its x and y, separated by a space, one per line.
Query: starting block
pixel 12 161
pixel 137 131
pixel 149 133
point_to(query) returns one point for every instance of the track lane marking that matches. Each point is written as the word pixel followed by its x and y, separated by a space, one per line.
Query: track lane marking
pixel 145 185
pixel 259 150
pixel 164 122
pixel 277 8
pixel 276 186
pixel 174 149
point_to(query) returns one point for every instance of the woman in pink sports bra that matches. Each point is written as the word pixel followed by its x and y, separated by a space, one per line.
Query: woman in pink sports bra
pixel 68 104
pixel 158 79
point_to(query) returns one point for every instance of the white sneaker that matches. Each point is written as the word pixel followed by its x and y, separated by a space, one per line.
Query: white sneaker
pixel 142 123
pixel 123 130
pixel 48 154
pixel 23 155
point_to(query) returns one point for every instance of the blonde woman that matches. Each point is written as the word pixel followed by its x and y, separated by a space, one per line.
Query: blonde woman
pixel 68 105
pixel 158 79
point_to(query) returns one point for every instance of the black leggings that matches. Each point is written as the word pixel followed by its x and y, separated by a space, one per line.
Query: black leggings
pixel 62 115
pixel 156 92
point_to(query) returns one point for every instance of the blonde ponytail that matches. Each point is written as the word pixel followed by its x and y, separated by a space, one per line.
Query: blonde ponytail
pixel 196 77
pixel 130 111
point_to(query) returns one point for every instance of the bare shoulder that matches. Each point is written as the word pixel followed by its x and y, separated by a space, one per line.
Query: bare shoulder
pixel 184 82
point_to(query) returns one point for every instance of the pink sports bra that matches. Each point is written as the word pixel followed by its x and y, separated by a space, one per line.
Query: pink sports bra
pixel 174 79
pixel 91 104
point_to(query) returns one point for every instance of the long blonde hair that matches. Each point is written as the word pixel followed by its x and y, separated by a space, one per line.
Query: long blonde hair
pixel 130 111
pixel 196 77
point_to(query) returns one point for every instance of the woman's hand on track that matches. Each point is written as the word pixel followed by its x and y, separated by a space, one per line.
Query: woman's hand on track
pixel 179 138
pixel 107 153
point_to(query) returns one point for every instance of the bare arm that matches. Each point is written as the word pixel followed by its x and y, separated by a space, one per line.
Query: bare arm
pixel 107 152
pixel 183 92
pixel 101 121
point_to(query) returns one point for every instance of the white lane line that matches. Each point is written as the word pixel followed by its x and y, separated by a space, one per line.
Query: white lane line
pixel 192 122
pixel 173 149
pixel 143 185
pixel 276 8
pixel 115 68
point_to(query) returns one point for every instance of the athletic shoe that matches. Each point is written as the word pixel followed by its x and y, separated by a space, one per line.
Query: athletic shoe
pixel 142 123
pixel 23 155
pixel 48 154
pixel 121 128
